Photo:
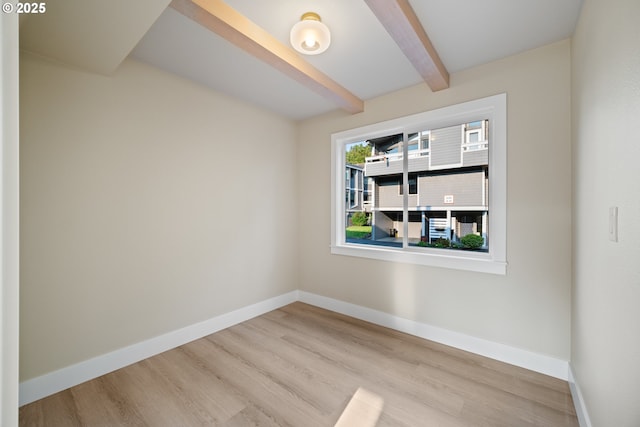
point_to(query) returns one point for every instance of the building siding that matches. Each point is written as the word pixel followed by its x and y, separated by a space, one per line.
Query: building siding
pixel 466 189
pixel 388 195
pixel 419 164
pixel 385 167
pixel 445 146
pixel 475 158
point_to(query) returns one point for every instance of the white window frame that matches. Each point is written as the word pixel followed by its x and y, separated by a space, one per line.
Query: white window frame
pixel 494 261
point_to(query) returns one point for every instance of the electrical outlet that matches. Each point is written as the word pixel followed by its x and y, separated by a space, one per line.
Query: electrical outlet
pixel 613 223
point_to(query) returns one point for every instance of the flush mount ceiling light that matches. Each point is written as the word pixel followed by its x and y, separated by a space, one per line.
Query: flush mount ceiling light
pixel 310 36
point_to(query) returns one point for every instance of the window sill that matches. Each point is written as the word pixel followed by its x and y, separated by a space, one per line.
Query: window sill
pixel 459 260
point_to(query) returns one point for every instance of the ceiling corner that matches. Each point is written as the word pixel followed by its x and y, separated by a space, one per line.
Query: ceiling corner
pixel 92 35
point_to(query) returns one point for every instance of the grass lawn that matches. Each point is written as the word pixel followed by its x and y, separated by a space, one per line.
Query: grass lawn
pixel 358 231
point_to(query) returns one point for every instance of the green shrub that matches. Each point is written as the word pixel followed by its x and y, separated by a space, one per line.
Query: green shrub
pixel 359 218
pixel 442 243
pixel 472 241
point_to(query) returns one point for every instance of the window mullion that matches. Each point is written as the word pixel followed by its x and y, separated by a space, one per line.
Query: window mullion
pixel 405 192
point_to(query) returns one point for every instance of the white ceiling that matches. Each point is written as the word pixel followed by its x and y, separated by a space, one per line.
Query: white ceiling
pixel 362 57
pixel 93 35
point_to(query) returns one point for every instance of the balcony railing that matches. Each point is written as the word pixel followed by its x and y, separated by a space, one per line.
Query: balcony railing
pixel 475 146
pixel 383 158
pixel 392 157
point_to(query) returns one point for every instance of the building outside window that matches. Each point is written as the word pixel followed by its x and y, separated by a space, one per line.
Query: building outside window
pixel 428 188
pixel 444 204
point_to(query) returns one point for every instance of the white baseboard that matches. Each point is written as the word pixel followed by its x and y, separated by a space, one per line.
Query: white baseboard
pixel 526 359
pixel 578 401
pixel 53 382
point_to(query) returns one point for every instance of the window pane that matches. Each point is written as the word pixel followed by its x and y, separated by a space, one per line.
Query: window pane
pixel 452 191
pixel 379 168
pixel 447 182
pixel 413 184
pixel 424 142
pixel 413 143
pixel 356 217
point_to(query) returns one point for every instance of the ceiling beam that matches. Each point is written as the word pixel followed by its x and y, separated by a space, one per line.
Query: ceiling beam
pixel 228 23
pixel 401 22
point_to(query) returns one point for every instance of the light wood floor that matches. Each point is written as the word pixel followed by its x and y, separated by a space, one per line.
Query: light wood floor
pixel 299 366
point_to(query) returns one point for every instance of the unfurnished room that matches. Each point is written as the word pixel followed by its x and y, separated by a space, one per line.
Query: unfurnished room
pixel 347 213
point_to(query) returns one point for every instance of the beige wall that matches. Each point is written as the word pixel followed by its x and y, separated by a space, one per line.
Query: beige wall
pixel 606 292
pixel 529 308
pixel 148 203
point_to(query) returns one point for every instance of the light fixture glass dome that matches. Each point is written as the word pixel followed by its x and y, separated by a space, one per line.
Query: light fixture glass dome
pixel 310 36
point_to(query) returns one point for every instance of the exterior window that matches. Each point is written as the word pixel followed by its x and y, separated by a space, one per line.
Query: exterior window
pixel 424 141
pixel 354 187
pixel 476 136
pixel 421 193
pixel 413 184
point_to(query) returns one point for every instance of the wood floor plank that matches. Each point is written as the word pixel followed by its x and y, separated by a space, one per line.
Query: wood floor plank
pixel 251 416
pixel 300 366
pixel 379 371
pixel 101 402
pixel 198 392
pixel 270 394
pixel 282 368
pixel 57 410
pixel 355 371
pixel 538 388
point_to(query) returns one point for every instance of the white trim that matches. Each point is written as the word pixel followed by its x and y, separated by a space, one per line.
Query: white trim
pixel 447 166
pixel 463 139
pixel 515 356
pixel 578 400
pixel 53 382
pixel 433 208
pixel 480 262
pixel 493 108
pixel 9 218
